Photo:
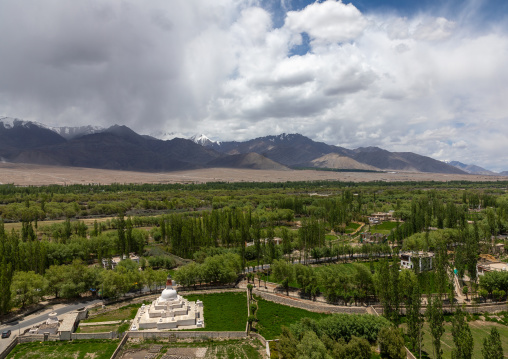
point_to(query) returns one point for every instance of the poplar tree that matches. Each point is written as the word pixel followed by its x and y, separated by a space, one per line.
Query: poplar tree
pixel 414 317
pixel 462 337
pixel 435 318
pixel 492 347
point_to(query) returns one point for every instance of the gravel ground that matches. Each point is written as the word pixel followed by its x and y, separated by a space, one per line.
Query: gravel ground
pixel 36 175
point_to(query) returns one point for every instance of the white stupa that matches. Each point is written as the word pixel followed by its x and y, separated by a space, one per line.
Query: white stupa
pixel 169 311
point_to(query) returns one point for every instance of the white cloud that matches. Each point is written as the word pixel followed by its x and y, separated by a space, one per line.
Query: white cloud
pixel 427 84
pixel 329 21
pixel 434 29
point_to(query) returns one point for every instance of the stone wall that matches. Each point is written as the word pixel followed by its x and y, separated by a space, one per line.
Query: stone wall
pixel 145 334
pixel 105 335
pixel 120 346
pixel 82 314
pixel 309 305
pixel 409 354
pixel 258 336
pixel 9 348
pixel 37 338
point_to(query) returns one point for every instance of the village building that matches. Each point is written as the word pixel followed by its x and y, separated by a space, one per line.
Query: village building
pixel 489 263
pixel 499 248
pixel 378 217
pixel 424 260
pixel 62 326
pixel 276 240
pixel 111 263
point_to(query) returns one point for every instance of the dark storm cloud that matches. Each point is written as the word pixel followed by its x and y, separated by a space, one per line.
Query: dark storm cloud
pixel 102 62
pixel 226 68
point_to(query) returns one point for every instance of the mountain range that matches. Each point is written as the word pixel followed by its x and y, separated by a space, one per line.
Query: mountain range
pixel 119 147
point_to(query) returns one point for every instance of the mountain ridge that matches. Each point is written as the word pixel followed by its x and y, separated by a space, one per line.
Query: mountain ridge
pixel 119 147
pixel 473 169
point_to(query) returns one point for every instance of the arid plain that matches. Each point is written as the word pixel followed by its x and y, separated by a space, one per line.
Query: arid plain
pixel 38 175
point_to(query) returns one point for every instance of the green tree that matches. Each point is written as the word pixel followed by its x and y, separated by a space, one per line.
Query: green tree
pixel 311 347
pixel 251 320
pixel 492 348
pixel 111 283
pixel 287 344
pixel 77 280
pixel 465 290
pixel 357 348
pixel 435 318
pixel 462 337
pixel 149 277
pixel 27 288
pixel 414 317
pixel 308 279
pixel 5 285
pixel 56 277
pixel 284 272
pixel 391 343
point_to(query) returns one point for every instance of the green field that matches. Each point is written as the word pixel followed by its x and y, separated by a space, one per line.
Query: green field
pixel 383 228
pixel 223 311
pixel 330 237
pixel 352 227
pixel 479 331
pixel 126 312
pixel 76 349
pixel 97 328
pixel 271 316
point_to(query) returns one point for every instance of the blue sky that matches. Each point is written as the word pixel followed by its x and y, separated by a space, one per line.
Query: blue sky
pixel 423 76
pixel 489 10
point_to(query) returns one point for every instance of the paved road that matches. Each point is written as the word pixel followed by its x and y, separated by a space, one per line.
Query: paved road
pixel 38 317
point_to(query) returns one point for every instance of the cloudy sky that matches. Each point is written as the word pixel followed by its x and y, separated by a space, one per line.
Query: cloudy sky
pixel 427 76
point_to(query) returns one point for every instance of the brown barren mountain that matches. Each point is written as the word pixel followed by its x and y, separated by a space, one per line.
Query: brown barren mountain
pixel 247 160
pixel 336 161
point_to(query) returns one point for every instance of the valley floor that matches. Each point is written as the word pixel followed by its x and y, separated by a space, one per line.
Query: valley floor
pixel 37 175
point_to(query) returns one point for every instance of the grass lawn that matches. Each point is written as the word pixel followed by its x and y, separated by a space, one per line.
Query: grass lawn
pixel 223 311
pixel 271 316
pixel 383 228
pixel 126 312
pixel 352 227
pixel 98 328
pixel 76 349
pixel 479 331
pixel 349 268
pixel 330 237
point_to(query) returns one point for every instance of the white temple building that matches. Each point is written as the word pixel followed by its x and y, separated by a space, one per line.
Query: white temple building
pixel 169 311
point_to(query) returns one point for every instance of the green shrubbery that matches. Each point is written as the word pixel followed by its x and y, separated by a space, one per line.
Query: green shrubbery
pixel 343 336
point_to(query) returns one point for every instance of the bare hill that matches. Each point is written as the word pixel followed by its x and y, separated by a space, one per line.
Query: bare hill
pixel 473 169
pixel 402 161
pixel 247 160
pixel 336 161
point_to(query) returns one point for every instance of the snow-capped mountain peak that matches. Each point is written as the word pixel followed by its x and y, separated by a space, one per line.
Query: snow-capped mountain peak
pixel 69 133
pixel 166 136
pixel 10 122
pixel 203 140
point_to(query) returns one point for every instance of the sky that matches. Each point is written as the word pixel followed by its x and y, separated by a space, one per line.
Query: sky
pixel 426 76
